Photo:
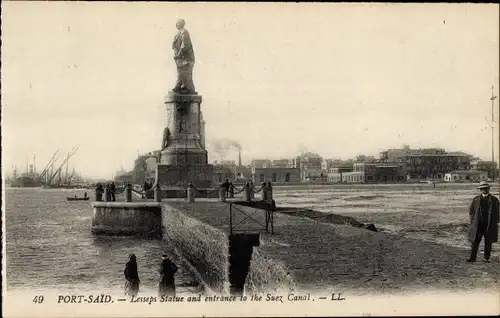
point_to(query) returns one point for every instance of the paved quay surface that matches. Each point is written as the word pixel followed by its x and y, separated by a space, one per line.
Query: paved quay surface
pixel 337 257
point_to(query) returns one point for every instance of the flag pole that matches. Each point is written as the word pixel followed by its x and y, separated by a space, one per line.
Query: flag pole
pixel 493 97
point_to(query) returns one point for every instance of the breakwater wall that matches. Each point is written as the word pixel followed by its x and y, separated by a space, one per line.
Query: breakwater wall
pixel 126 218
pixel 206 247
pixel 200 244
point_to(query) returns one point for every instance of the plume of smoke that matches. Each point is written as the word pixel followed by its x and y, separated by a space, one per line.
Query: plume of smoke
pixel 223 146
pixel 236 145
pixel 302 149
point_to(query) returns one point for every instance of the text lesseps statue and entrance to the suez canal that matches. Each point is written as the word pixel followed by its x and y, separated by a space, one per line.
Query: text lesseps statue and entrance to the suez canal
pixel 184 59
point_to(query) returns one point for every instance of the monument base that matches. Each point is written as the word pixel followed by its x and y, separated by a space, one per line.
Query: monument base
pixel 174 180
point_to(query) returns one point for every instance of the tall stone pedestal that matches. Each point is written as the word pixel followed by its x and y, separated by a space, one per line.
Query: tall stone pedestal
pixel 184 160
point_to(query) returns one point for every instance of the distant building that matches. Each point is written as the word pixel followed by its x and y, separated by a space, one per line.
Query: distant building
pixel 284 163
pixel 367 159
pixel 374 173
pixel 334 175
pixel 327 164
pixel 276 175
pixel 481 165
pixel 465 176
pixel 311 167
pixel 430 163
pixel 145 167
pixel 260 163
pixel 243 172
pixel 222 172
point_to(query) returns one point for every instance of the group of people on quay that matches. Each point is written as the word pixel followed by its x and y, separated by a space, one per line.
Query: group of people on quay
pixel 146 187
pixel 111 190
pixel 166 285
pixel 229 187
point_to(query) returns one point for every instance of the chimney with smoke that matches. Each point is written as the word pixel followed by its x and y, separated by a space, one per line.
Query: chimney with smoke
pixel 222 146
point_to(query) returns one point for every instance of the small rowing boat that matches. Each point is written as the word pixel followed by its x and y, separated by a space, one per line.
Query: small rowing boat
pixel 77 199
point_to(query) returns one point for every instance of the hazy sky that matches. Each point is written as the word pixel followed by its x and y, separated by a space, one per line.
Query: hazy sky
pixel 337 79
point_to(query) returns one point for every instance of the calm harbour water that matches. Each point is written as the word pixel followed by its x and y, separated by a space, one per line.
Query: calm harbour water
pixel 49 242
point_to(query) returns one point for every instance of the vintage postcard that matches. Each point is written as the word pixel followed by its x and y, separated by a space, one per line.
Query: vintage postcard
pixel 249 159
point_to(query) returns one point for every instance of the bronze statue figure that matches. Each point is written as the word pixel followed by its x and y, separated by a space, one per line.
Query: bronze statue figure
pixel 184 59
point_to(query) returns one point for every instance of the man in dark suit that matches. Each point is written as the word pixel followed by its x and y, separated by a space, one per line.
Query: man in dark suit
pixel 184 59
pixel 484 218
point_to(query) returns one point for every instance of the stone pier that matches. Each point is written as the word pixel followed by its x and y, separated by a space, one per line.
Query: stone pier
pixel 222 248
pixel 127 218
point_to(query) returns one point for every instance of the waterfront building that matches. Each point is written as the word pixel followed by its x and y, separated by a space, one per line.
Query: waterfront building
pixel 311 167
pixel 327 164
pixel 334 174
pixel 482 165
pixel 364 172
pixel 276 175
pixel 260 163
pixel 430 163
pixel 284 163
pixel 466 176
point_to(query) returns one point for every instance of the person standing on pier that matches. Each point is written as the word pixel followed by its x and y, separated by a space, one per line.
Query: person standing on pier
pixel 131 276
pixel 225 185
pixel 112 188
pixel 107 191
pixel 145 189
pixel 167 271
pixel 484 218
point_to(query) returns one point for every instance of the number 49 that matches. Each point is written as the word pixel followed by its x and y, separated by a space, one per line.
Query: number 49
pixel 38 299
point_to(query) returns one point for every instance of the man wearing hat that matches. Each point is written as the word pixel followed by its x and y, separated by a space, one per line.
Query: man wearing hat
pixel 483 213
pixel 167 280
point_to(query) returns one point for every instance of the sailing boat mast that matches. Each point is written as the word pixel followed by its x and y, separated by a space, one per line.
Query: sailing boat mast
pixel 66 179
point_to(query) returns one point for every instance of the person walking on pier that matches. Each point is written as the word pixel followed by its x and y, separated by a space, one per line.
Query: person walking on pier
pixel 131 276
pixel 484 218
pixel 166 287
